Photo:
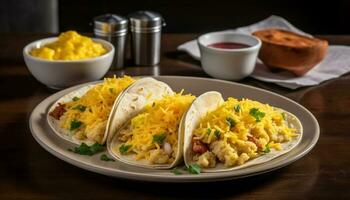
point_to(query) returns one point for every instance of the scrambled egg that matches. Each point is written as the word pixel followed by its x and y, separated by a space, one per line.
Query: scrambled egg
pixel 86 117
pixel 153 134
pixel 238 131
pixel 70 46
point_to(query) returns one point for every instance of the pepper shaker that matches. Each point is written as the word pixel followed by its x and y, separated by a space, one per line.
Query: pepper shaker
pixel 113 28
pixel 146 29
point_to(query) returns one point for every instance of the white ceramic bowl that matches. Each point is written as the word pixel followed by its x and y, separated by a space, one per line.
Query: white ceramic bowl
pixel 60 74
pixel 228 64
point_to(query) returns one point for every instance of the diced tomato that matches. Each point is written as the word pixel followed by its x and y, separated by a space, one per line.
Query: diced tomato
pixel 58 111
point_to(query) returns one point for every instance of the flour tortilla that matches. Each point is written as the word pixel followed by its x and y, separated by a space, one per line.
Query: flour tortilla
pixel 131 103
pixel 210 101
pixel 55 124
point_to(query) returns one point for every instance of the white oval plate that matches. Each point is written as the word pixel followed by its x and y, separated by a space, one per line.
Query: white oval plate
pixel 59 147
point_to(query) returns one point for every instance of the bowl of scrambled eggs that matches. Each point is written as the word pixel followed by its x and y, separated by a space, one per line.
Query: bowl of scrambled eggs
pixel 68 59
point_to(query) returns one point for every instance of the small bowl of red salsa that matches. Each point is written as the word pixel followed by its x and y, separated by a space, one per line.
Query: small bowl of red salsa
pixel 228 55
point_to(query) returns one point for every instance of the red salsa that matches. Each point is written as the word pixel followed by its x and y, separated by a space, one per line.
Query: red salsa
pixel 228 45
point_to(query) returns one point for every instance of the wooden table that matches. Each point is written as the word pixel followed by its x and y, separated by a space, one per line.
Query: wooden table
pixel 27 171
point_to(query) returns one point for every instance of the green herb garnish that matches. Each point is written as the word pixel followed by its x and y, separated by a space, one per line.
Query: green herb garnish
pixel 79 107
pixel 208 131
pixel 74 124
pixel 194 169
pixel 283 116
pixel 84 149
pixel 217 134
pixel 159 138
pixel 237 107
pixel 95 148
pixel 231 122
pixel 267 148
pixel 104 157
pixel 123 149
pixel 111 90
pixel 254 112
pixel 75 98
pixel 176 171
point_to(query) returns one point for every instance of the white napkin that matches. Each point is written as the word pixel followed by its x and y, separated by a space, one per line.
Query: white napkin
pixel 335 64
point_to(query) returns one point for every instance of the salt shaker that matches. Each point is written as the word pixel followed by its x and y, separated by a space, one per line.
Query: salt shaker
pixel 113 28
pixel 146 27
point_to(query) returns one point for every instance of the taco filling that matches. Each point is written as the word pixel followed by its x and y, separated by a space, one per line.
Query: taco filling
pixel 153 134
pixel 86 117
pixel 238 131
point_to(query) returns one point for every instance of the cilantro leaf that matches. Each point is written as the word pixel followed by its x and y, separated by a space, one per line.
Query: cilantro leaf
pixel 254 112
pixel 176 171
pixel 267 148
pixel 111 90
pixel 231 122
pixel 217 134
pixel 84 149
pixel 75 98
pixel 123 149
pixel 194 169
pixel 237 107
pixel 95 148
pixel 79 107
pixel 74 124
pixel 104 157
pixel 159 138
pixel 283 116
pixel 208 131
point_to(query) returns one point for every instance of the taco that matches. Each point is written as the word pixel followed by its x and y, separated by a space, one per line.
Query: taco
pixel 153 137
pixel 227 135
pixel 82 115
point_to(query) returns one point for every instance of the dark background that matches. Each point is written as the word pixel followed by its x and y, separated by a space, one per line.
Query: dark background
pixel 316 17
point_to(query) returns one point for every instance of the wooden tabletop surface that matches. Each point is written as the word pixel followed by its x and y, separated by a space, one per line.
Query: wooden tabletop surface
pixel 27 171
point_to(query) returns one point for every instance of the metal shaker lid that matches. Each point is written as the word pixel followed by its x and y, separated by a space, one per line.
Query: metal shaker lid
pixel 145 20
pixel 110 24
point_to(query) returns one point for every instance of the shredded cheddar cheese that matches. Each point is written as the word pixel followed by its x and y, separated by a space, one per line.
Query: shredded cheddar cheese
pixel 153 134
pixel 241 130
pixel 86 117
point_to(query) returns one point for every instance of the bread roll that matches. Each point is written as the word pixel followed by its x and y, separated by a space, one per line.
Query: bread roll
pixel 290 51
